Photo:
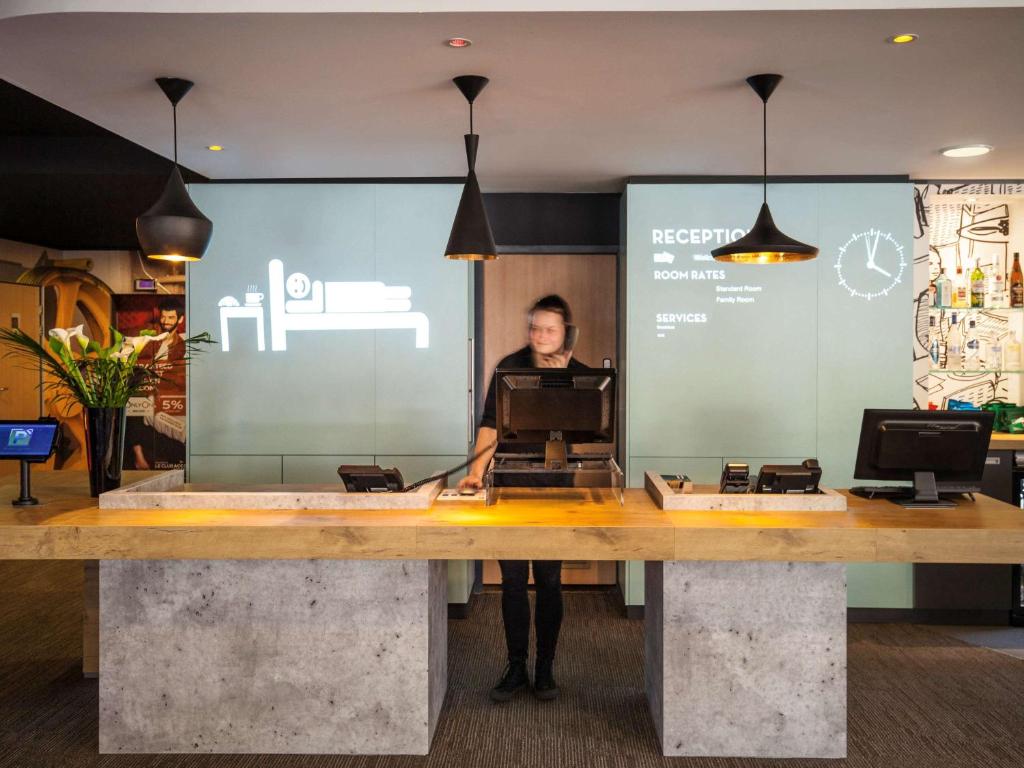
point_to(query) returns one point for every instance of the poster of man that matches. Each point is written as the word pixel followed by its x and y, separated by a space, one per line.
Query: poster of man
pixel 155 424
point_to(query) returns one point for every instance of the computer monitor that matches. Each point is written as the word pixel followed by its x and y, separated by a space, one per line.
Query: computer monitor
pixel 939 451
pixel 28 440
pixel 555 406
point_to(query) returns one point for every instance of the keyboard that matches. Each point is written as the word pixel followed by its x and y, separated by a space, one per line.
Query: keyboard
pixel 897 492
pixel 882 491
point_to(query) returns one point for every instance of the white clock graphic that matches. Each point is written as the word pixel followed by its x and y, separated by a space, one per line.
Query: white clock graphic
pixel 870 264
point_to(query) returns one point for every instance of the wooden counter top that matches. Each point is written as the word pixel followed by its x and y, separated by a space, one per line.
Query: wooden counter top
pixel 1005 441
pixel 583 524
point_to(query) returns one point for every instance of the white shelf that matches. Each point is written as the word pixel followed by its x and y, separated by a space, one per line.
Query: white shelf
pixel 936 371
pixel 977 309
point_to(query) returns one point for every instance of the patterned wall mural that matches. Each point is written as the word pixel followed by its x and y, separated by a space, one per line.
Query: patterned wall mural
pixel 958 225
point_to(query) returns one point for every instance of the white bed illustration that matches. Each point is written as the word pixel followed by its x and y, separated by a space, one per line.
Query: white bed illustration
pixel 319 306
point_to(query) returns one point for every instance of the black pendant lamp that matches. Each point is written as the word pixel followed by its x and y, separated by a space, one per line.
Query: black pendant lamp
pixel 764 243
pixel 174 229
pixel 471 237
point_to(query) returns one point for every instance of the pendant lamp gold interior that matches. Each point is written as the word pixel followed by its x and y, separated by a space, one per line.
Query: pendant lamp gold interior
pixel 471 238
pixel 764 243
pixel 174 229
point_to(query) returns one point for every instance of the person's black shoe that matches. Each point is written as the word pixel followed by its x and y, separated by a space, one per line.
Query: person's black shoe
pixel 544 687
pixel 514 679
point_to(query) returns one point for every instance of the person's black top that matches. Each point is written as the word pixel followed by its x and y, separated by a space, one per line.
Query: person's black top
pixel 521 358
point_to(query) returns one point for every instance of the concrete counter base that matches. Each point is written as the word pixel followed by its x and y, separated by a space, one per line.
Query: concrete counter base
pixel 273 656
pixel 747 659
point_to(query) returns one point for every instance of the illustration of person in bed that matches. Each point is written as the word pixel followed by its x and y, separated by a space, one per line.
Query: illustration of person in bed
pixel 299 304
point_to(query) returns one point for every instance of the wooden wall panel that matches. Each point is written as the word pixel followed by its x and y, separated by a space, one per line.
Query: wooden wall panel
pixel 513 282
pixel 19 384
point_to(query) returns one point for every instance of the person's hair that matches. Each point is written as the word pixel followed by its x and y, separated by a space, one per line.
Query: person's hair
pixel 172 305
pixel 552 303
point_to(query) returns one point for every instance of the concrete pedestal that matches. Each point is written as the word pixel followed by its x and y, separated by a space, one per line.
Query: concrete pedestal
pixel 272 656
pixel 747 659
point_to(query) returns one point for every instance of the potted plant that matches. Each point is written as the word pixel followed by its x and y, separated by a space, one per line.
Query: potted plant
pixel 100 379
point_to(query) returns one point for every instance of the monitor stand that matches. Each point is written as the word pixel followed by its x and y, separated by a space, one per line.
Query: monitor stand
pixel 554 455
pixel 25 498
pixel 926 494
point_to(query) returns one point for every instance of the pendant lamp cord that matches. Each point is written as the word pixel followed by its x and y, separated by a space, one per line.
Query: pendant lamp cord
pixel 174 111
pixel 471 118
pixel 764 144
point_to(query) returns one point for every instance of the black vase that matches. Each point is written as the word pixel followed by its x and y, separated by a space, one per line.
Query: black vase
pixel 104 448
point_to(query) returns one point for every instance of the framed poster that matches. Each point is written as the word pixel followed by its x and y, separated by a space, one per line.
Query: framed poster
pixel 155 423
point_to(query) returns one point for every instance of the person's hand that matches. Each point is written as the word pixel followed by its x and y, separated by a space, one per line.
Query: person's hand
pixel 555 360
pixel 471 481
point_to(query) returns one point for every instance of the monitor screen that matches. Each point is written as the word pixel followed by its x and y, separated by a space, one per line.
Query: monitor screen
pixel 28 440
pixel 535 405
pixel 894 444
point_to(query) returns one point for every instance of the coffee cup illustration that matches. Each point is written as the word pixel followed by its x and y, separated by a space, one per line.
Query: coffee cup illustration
pixel 253 298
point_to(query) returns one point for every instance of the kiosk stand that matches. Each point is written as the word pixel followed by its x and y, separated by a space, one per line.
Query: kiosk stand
pixel 30 442
pixel 25 497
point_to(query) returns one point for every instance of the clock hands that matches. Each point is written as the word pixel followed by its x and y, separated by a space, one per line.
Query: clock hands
pixel 879 269
pixel 872 249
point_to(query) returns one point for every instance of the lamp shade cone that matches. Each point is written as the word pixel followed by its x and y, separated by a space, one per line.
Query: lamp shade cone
pixel 765 244
pixel 174 229
pixel 471 237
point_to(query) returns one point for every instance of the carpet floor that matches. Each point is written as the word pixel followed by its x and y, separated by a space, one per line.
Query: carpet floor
pixel 917 697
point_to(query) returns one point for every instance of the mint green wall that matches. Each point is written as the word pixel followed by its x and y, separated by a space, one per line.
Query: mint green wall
pixel 784 377
pixel 339 395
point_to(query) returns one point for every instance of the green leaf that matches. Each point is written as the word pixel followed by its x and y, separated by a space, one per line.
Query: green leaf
pixel 147 332
pixel 55 345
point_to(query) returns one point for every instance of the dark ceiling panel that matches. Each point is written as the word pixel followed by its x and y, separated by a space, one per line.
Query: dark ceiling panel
pixel 68 183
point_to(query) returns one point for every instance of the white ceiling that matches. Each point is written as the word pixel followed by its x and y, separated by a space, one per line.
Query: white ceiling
pixel 577 101
pixel 22 7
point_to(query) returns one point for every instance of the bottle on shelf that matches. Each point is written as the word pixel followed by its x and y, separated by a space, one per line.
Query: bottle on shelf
pixel 961 290
pixel 994 298
pixel 972 348
pixel 1012 354
pixel 977 286
pixel 994 355
pixel 1016 283
pixel 934 347
pixel 943 290
pixel 954 346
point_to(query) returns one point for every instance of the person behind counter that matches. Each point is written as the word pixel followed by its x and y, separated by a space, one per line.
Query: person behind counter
pixel 551 335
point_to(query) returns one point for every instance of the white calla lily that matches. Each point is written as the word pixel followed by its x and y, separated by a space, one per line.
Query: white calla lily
pixel 65 335
pixel 60 334
pixel 135 344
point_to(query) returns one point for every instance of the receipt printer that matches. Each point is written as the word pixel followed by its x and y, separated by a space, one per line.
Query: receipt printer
pixel 735 479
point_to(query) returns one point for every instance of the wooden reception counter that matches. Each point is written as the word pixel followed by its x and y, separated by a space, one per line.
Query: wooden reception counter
pixel 535 523
pixel 324 631
pixel 1005 441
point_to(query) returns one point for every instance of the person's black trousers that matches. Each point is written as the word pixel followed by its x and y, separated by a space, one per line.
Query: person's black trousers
pixel 515 606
